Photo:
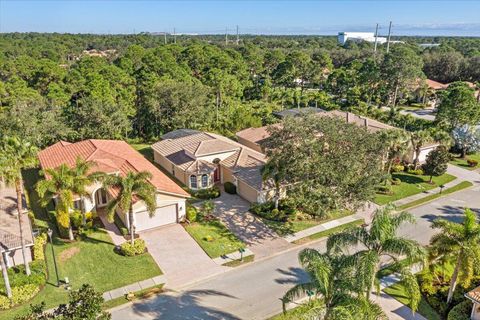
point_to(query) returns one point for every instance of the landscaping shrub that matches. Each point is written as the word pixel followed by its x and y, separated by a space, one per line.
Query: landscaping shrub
pixel 39 247
pixel 286 210
pixel 138 247
pixel 62 224
pixel 19 296
pixel 18 278
pixel 387 190
pixel 210 193
pixel 461 311
pixel 472 163
pixel 230 188
pixel 397 168
pixel 191 213
pixel 396 181
pixel 417 172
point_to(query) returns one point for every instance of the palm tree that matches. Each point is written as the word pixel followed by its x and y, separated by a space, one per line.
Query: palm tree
pixel 459 242
pixel 418 139
pixel 132 186
pixel 81 180
pixel 379 241
pixel 397 143
pixel 16 155
pixel 6 281
pixel 59 185
pixel 331 282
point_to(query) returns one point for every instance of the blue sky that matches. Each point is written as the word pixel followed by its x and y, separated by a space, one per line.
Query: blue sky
pixel 257 17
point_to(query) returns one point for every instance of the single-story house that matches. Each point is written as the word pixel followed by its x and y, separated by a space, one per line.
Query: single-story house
pixel 200 159
pixel 117 157
pixel 474 296
pixel 10 243
pixel 254 137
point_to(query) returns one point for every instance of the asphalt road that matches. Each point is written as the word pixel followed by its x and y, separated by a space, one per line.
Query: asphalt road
pixel 254 291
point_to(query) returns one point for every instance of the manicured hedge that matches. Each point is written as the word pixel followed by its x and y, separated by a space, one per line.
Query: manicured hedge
pixel 210 193
pixel 461 311
pixel 138 247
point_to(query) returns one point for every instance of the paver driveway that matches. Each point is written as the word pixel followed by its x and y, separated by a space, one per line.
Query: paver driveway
pixel 261 240
pixel 179 256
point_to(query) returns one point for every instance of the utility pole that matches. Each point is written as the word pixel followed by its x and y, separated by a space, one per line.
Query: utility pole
pixel 389 34
pixel 376 37
pixel 238 36
pixel 226 36
pixel 174 36
pixel 165 37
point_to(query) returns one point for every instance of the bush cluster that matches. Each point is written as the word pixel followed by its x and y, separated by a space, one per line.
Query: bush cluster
pixel 472 163
pixel 417 172
pixel 386 190
pixel 39 246
pixel 230 188
pixel 192 213
pixel 138 247
pixel 206 194
pixel 396 181
pixel 19 295
pixel 76 219
pixel 461 311
pixel 397 168
pixel 286 210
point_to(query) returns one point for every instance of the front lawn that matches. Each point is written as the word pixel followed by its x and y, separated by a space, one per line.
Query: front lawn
pixel 399 292
pixel 326 233
pixel 214 238
pixel 410 185
pixel 290 227
pixel 90 260
pixel 462 163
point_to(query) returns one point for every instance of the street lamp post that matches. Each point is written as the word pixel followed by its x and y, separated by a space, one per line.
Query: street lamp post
pixel 50 233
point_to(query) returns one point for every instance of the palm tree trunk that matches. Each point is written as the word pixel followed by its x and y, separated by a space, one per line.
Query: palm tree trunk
pixel 417 157
pixel 82 209
pixel 18 189
pixel 132 226
pixel 8 289
pixel 453 281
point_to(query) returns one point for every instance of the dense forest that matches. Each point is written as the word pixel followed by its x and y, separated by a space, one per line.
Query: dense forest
pixel 65 86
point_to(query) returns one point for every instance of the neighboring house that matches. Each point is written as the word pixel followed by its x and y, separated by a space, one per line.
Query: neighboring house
pixel 254 137
pixel 199 160
pixel 426 91
pixel 10 244
pixel 474 295
pixel 117 157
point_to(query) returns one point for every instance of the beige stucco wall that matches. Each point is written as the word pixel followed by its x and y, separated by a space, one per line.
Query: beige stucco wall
pixel 250 144
pixel 247 192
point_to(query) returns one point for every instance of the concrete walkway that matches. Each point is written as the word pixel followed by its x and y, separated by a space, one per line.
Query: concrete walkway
pixel 137 286
pixel 112 230
pixel 233 256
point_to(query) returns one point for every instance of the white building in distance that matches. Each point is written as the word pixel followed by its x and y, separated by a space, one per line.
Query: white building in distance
pixel 343 37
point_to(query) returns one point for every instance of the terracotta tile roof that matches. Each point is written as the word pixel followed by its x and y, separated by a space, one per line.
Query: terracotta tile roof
pixel 110 156
pixel 257 135
pixel 435 85
pixel 474 295
pixel 9 228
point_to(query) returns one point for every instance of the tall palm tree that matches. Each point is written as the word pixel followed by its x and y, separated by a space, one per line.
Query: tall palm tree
pixel 396 143
pixel 332 283
pixel 375 243
pixel 135 185
pixel 59 185
pixel 6 281
pixel 459 242
pixel 16 155
pixel 82 178
pixel 418 139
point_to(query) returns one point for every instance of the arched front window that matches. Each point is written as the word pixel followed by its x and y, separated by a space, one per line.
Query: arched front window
pixel 193 182
pixel 204 181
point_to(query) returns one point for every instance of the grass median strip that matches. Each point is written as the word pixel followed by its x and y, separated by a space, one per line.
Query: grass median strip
pixel 142 294
pixel 328 232
pixel 462 185
pixel 236 263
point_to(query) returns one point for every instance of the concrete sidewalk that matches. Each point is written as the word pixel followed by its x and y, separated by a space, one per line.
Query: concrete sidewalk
pixel 137 286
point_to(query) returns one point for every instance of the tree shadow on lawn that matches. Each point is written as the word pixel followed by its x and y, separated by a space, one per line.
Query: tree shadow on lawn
pixel 409 179
pixel 186 305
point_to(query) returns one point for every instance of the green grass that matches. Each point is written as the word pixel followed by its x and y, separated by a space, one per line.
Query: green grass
pixel 462 163
pixel 89 260
pixel 222 240
pixel 398 292
pixel 290 227
pixel 462 185
pixel 410 185
pixel 236 263
pixel 328 232
pixel 142 294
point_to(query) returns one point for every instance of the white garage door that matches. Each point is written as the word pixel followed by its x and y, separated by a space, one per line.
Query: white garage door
pixel 423 154
pixel 163 215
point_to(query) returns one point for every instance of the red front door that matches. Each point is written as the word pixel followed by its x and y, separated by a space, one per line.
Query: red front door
pixel 216 175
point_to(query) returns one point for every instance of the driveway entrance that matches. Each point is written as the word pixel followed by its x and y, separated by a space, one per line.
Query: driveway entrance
pixel 179 256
